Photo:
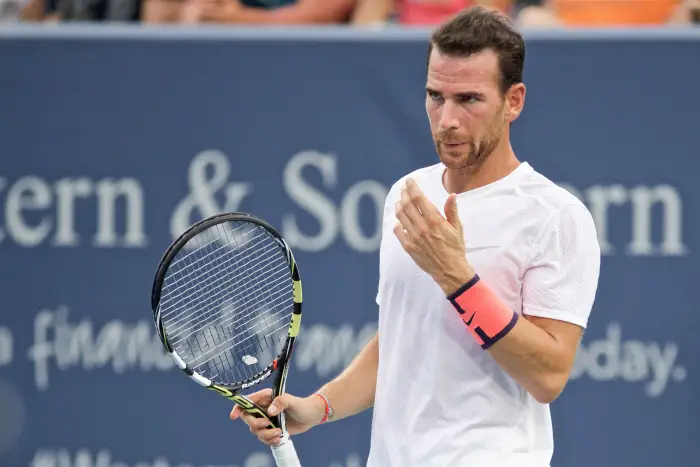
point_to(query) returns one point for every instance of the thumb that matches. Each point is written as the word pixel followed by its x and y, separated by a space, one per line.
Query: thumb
pixel 451 212
pixel 280 403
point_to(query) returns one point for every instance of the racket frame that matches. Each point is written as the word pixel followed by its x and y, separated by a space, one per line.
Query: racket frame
pixel 280 364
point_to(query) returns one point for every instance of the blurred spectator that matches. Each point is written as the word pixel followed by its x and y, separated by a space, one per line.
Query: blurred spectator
pixel 93 10
pixel 433 12
pixel 534 13
pixel 257 12
pixel 13 11
pixel 70 10
pixel 622 12
pixel 415 12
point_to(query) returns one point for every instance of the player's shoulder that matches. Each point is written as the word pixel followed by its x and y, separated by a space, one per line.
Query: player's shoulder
pixel 554 208
pixel 548 197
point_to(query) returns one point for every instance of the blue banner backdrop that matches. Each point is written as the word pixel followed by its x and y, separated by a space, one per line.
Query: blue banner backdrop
pixel 115 140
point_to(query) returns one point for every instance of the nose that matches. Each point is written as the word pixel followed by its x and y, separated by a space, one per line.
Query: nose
pixel 449 116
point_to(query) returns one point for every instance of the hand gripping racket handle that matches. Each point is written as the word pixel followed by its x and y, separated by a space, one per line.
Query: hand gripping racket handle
pixel 285 455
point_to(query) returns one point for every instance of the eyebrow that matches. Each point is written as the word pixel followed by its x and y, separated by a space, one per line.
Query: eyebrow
pixel 459 95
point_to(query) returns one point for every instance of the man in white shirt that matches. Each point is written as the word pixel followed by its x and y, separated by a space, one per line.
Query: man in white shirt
pixel 488 273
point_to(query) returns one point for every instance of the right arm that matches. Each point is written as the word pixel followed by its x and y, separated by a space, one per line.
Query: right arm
pixel 353 390
pixel 349 393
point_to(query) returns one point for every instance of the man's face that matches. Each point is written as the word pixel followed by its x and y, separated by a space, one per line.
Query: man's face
pixel 465 107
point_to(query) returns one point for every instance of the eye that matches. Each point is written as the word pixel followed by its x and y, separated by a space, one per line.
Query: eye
pixel 470 98
pixel 434 96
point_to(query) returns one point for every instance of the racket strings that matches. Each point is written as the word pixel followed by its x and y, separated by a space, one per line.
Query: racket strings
pixel 179 296
pixel 226 305
pixel 244 260
pixel 237 343
pixel 213 340
pixel 184 300
pixel 183 317
pixel 234 320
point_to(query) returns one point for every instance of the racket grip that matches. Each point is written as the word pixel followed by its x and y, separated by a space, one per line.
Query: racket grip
pixel 285 454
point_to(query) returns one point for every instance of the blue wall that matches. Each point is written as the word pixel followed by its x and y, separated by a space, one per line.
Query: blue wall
pixel 114 141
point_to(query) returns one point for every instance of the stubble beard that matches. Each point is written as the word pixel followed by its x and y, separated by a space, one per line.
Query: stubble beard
pixel 475 155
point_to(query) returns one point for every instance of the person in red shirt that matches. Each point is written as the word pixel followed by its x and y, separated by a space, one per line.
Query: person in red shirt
pixel 422 12
pixel 532 13
pixel 417 12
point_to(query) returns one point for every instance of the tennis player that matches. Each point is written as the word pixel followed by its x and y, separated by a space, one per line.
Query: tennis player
pixel 488 273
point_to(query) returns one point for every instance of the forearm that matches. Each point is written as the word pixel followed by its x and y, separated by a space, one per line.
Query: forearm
pixel 353 390
pixel 533 358
pixel 527 350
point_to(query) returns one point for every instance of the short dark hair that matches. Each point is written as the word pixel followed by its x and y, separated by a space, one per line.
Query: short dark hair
pixel 476 29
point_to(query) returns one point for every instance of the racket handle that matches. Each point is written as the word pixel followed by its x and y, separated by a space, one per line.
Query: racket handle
pixel 285 455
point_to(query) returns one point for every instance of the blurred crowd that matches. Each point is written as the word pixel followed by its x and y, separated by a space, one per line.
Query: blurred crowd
pixel 360 13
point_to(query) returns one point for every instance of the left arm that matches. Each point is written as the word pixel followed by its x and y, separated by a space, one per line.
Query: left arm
pixel 538 351
pixel 302 12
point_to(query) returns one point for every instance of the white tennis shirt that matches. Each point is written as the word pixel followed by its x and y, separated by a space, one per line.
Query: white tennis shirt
pixel 441 400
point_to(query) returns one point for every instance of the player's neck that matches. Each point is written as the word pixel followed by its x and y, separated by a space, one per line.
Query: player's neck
pixel 500 163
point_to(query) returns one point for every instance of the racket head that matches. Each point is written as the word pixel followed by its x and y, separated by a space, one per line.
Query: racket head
pixel 226 301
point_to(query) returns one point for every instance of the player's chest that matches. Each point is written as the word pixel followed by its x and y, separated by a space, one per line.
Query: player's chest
pixel 497 250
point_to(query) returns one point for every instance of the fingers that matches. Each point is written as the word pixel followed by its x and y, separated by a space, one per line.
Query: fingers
pixel 418 199
pixel 281 403
pixel 260 428
pixel 410 209
pixel 270 437
pixel 263 398
pixel 401 215
pixel 451 211
pixel 401 234
pixel 416 215
pixel 252 419
pixel 408 214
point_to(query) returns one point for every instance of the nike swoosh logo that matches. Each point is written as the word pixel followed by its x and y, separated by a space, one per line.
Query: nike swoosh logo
pixel 469 323
pixel 478 248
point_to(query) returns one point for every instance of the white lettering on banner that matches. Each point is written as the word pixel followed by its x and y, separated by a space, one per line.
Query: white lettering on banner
pixel 311 200
pixel 332 220
pixel 6 346
pixel 203 189
pixel 36 211
pixel 103 458
pixel 601 200
pixel 343 219
pixel 329 350
pixel 633 361
pixel 122 346
pixel 34 208
pixel 117 344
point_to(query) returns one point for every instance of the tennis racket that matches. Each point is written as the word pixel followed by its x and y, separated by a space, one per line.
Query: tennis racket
pixel 226 302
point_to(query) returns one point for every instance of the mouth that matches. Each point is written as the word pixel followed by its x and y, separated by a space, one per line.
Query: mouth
pixel 453 145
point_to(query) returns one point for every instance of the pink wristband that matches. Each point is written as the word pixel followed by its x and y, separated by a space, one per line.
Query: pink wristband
pixel 327 410
pixel 487 317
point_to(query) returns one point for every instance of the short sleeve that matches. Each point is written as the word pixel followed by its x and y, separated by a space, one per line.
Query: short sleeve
pixel 562 277
pixel 388 218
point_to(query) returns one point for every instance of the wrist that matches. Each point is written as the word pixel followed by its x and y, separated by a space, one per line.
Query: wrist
pixel 488 318
pixel 452 281
pixel 325 409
